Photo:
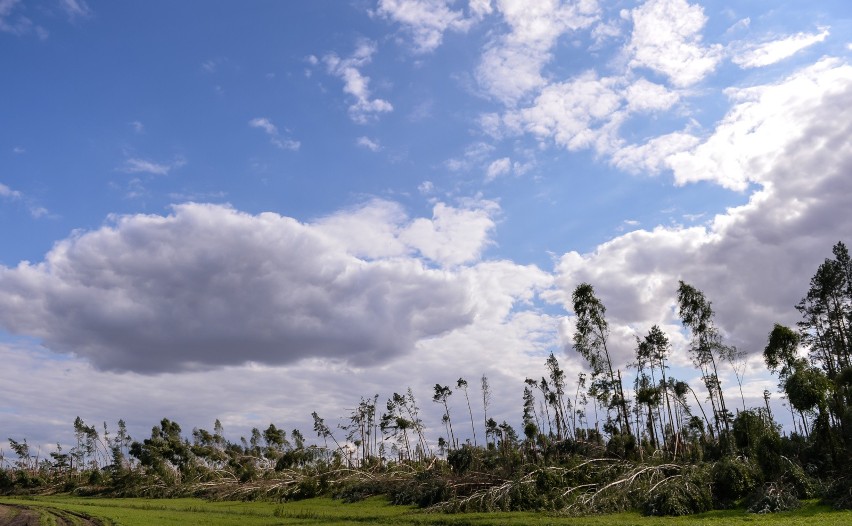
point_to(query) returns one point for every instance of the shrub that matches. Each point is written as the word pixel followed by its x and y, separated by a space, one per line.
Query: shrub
pixel 424 489
pixel 840 493
pixel 774 497
pixel 733 479
pixel 683 494
pixel 461 459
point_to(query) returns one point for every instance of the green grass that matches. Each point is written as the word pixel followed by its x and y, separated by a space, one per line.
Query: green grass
pixel 188 512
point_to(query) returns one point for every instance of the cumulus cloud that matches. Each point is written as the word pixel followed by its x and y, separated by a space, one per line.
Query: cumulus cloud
pixel 209 286
pixel 570 113
pixel 653 156
pixel 453 235
pixel 765 121
pixel 506 341
pixel 752 261
pixel 644 95
pixel 666 38
pixel 511 64
pixel 5 191
pixel 764 54
pixel 356 84
pixel 428 20
pixel 587 112
pixel 275 138
pixel 497 168
pixel 368 143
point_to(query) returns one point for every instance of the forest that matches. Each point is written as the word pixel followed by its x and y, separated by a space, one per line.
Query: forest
pixel 585 445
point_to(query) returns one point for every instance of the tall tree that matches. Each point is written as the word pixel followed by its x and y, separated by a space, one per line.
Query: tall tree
pixel 557 399
pixel 659 349
pixel 462 384
pixel 826 328
pixel 486 401
pixel 442 393
pixel 697 314
pixel 590 340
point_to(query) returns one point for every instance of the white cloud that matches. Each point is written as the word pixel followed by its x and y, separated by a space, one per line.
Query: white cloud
pixel 474 155
pixel 480 8
pixel 36 211
pixel 370 231
pixel 511 65
pixel 587 112
pixel 741 24
pixel 570 113
pixel 137 165
pixel 604 31
pixel 759 55
pixel 18 24
pixel 427 20
pixel 644 96
pixel 275 138
pixel 209 286
pixel 667 38
pixel 653 156
pixel 137 126
pixel 504 324
pixel 75 9
pixel 752 261
pixel 209 66
pixel 452 236
pixel 498 168
pixel 765 122
pixel 5 191
pixel 356 84
pixel 368 143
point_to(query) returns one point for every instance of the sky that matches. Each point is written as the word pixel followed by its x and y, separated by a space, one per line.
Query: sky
pixel 249 211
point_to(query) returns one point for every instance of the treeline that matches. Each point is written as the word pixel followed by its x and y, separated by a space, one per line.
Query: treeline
pixel 586 446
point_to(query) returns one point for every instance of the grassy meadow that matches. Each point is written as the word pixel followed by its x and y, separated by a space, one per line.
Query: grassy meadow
pixel 190 511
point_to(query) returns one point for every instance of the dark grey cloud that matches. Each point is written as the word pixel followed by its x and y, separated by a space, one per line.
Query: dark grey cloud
pixel 209 286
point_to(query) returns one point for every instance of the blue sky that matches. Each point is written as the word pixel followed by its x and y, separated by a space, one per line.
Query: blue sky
pixel 197 196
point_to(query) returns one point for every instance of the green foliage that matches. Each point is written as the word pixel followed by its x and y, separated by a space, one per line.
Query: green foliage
pixel 461 459
pixel 733 479
pixel 808 389
pixel 425 489
pixel 684 494
pixel 774 497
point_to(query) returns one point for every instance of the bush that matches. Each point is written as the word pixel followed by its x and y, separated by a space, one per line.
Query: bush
pixel 460 460
pixel 683 494
pixel 840 493
pixel 621 446
pixel 733 479
pixel 804 485
pixel 361 489
pixel 424 489
pixel 774 497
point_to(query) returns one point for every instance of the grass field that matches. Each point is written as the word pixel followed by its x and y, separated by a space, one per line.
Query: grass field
pixel 187 512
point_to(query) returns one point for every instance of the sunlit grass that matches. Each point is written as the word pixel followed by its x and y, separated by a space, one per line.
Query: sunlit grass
pixel 180 512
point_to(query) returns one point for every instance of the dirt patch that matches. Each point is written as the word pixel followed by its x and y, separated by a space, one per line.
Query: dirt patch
pixel 23 516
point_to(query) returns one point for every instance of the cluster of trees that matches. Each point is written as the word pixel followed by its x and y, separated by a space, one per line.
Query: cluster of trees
pixel 589 446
